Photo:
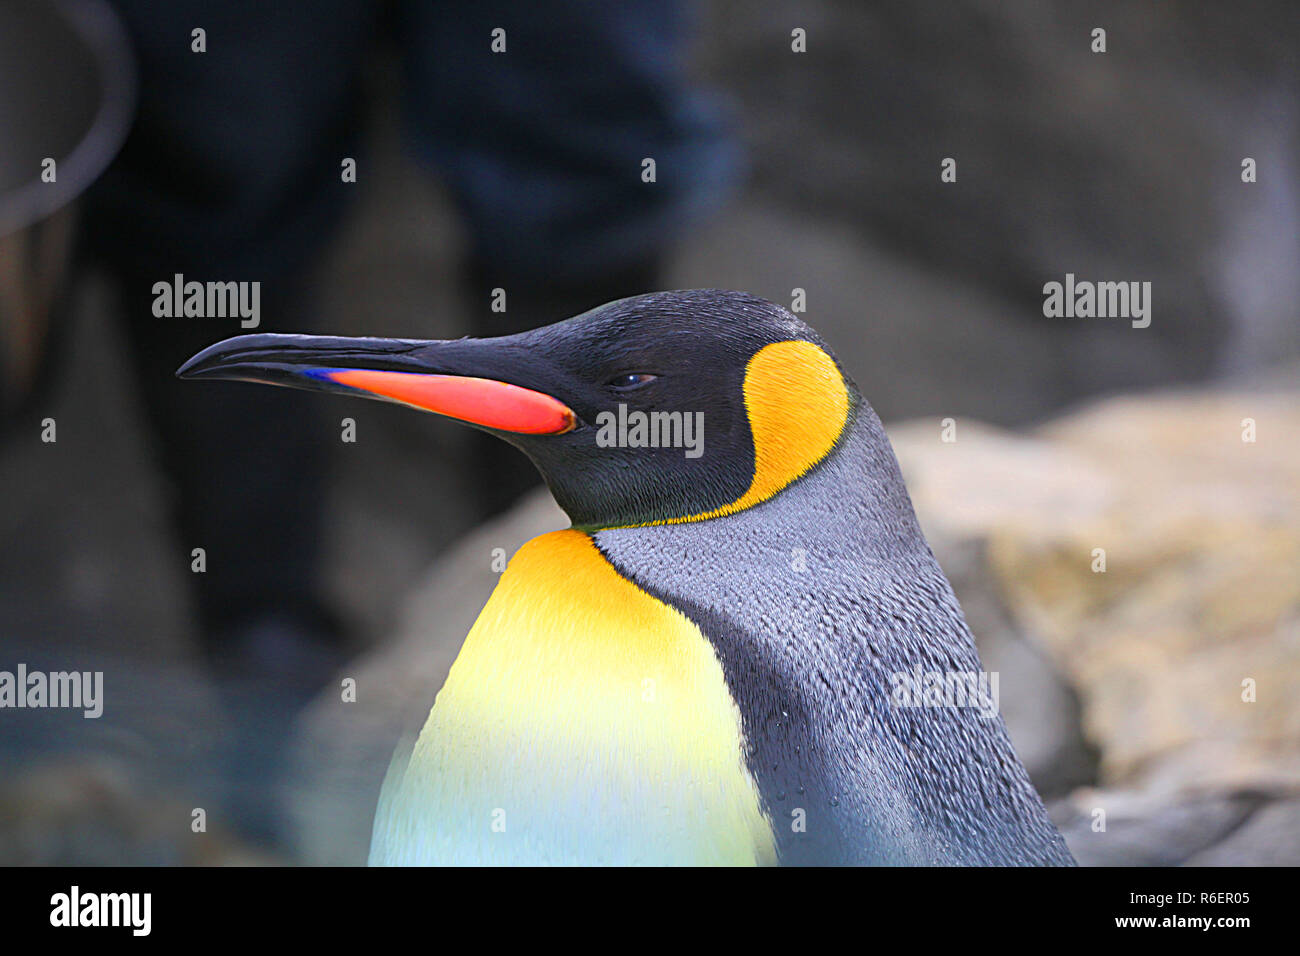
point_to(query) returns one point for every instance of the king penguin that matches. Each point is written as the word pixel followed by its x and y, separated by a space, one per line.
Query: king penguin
pixel 705 667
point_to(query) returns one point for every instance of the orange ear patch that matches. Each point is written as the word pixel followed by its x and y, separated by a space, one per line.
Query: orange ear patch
pixel 798 407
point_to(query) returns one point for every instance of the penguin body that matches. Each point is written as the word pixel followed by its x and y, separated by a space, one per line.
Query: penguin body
pixel 526 759
pixel 703 669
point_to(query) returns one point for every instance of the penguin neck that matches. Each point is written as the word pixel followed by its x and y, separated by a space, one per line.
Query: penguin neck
pixel 813 601
pixel 854 494
pixel 861 484
pixel 796 591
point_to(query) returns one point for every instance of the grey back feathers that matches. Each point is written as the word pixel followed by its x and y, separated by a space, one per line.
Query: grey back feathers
pixel 813 600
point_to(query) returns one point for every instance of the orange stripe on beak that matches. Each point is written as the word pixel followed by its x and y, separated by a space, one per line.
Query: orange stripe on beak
pixel 479 401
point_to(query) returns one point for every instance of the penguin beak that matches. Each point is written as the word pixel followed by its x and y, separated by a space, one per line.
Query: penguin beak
pixel 459 379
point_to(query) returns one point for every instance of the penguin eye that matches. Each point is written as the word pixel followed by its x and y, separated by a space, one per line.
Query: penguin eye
pixel 630 380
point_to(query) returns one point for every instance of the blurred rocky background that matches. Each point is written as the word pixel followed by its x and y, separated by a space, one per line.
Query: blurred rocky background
pixel 1123 689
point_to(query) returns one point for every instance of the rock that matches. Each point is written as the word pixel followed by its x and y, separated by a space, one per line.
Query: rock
pixel 87 811
pixel 1267 838
pixel 1141 831
pixel 1184 652
pixel 1201 592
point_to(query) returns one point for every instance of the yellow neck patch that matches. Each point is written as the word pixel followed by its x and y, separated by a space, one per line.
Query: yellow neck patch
pixel 798 407
pixel 584 721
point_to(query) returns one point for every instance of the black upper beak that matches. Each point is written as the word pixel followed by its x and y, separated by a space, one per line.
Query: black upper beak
pixel 270 357
pixel 486 382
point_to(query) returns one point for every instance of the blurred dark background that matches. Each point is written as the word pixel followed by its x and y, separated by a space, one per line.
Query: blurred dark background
pixel 816 171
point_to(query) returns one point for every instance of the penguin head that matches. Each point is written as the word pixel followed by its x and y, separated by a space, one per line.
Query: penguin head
pixel 661 408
